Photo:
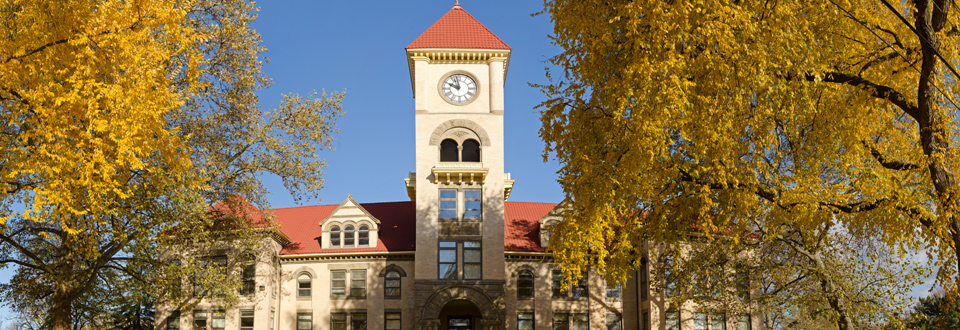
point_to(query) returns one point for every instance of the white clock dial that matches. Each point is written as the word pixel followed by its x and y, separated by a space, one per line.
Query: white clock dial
pixel 459 88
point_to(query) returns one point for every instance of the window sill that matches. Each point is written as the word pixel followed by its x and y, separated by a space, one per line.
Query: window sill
pixel 392 297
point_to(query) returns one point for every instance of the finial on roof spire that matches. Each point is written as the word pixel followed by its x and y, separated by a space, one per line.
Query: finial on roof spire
pixel 457 4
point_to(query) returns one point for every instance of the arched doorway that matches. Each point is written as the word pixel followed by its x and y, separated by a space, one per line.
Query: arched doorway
pixel 460 315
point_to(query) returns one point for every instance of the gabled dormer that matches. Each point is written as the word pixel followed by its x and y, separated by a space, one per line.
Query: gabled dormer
pixel 349 226
pixel 551 219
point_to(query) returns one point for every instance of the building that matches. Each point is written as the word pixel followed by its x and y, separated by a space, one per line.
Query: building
pixel 458 255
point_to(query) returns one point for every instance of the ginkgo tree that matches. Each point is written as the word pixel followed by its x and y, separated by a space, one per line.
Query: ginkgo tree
pixel 672 116
pixel 122 122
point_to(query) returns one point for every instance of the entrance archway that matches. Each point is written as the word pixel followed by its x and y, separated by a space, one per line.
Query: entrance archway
pixel 460 315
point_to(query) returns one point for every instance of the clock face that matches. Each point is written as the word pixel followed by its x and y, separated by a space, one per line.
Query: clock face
pixel 459 88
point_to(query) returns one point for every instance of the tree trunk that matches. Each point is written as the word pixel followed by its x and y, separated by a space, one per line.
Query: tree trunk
pixel 61 316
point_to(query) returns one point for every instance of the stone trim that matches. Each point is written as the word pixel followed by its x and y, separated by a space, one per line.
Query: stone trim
pixel 383 272
pixel 533 271
pixel 468 124
pixel 439 299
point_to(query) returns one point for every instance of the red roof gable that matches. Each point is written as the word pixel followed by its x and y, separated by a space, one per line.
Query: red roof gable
pixel 398 227
pixel 458 29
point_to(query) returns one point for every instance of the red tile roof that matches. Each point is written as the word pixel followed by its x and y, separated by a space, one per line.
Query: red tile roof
pixel 458 29
pixel 398 227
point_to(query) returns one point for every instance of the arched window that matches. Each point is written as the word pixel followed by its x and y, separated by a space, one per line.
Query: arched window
pixel 303 285
pixel 524 285
pixel 449 151
pixel 471 151
pixel 348 236
pixel 335 236
pixel 364 236
pixel 391 284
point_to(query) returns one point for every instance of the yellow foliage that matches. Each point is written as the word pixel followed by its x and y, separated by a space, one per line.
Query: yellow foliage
pixel 678 116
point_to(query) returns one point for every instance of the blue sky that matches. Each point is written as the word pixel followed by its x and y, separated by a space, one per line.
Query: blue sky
pixel 346 45
pixel 358 47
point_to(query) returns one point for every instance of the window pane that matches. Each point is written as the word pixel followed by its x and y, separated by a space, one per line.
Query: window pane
pixel 558 291
pixel 246 319
pixel 448 214
pixel 560 321
pixel 358 321
pixel 448 255
pixel 448 193
pixel 471 205
pixel 219 320
pixel 448 244
pixel 472 272
pixel 613 321
pixel 699 321
pixel 472 215
pixel 718 322
pixel 448 271
pixel 448 205
pixel 392 321
pixel 673 320
pixel 338 321
pixel 471 194
pixel 471 255
pixel 580 322
pixel 744 323
pixel 471 244
pixel 524 321
pixel 525 285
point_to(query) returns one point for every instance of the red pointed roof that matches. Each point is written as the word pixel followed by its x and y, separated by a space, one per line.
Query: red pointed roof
pixel 458 29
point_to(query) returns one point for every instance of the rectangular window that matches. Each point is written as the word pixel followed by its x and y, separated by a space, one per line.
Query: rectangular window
pixel 558 284
pixel 668 285
pixel 716 281
pixel 448 204
pixel 249 277
pixel 613 291
pixel 173 321
pixel 338 283
pixel 358 321
pixel 672 320
pixel 699 321
pixel 305 321
pixel 744 322
pixel 246 319
pixel 718 321
pixel 472 265
pixel 644 279
pixel 273 316
pixel 580 288
pixel 613 321
pixel 581 321
pixel 200 319
pixel 447 260
pixel 525 321
pixel 645 321
pixel 560 321
pixel 219 321
pixel 392 321
pixel 358 283
pixel 472 204
pixel 743 282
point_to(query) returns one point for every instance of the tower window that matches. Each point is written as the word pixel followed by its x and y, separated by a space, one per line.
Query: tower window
pixel 335 236
pixel 447 260
pixel 471 151
pixel 364 237
pixel 472 260
pixel 472 206
pixel 449 151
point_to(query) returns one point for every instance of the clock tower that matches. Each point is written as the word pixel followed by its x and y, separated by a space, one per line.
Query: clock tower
pixel 457 71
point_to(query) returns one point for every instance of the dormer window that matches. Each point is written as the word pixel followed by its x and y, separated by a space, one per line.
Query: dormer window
pixel 335 236
pixel 348 239
pixel 452 151
pixel 364 236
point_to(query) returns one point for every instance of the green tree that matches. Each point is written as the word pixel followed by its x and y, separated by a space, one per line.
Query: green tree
pixel 938 311
pixel 667 116
pixel 124 121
